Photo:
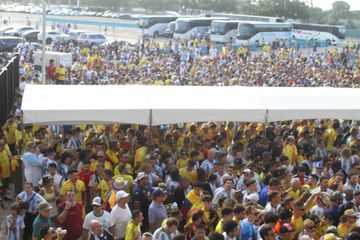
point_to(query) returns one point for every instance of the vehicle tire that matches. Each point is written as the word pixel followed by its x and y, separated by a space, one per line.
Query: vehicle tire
pixel 156 34
pixel 328 42
pixel 48 41
pixel 16 35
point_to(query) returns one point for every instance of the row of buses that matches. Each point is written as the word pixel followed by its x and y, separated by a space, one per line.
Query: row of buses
pixel 238 29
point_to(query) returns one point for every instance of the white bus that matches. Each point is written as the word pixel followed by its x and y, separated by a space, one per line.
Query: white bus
pixel 223 31
pixel 257 32
pixel 154 26
pixel 185 28
pixel 330 34
pixel 248 17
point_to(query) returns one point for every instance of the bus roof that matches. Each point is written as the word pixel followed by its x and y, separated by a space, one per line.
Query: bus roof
pixel 159 16
pixel 202 18
pixel 315 24
pixel 233 16
pixel 267 24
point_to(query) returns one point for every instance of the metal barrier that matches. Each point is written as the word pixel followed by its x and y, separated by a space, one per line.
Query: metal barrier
pixel 9 81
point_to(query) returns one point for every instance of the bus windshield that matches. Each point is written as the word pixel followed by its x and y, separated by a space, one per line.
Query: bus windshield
pixel 182 26
pixel 245 31
pixel 218 27
pixel 144 22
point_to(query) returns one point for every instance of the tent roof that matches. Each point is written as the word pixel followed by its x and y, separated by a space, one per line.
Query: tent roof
pixel 155 105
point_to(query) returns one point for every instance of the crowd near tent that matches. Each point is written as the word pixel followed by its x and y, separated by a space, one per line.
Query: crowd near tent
pixel 157 105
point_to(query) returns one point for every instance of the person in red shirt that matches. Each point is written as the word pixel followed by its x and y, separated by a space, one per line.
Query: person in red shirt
pixel 70 216
pixel 50 71
pixel 85 176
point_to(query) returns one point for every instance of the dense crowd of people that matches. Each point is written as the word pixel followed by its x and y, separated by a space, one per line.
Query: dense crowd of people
pixel 203 180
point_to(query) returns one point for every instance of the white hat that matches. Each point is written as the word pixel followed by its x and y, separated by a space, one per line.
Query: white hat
pixel 121 194
pixel 247 170
pixel 96 201
pixel 253 197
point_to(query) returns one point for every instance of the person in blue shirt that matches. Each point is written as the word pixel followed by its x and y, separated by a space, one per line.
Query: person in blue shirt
pixel 248 230
pixel 274 184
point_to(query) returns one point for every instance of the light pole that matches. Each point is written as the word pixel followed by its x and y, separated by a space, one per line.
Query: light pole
pixel 43 70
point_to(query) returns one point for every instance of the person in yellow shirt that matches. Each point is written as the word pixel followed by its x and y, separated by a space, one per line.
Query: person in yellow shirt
pixel 76 185
pixel 28 135
pixel 9 129
pixel 294 190
pixel 111 154
pixel 133 231
pixel 60 74
pixel 290 150
pixel 122 170
pixel 183 159
pixel 140 154
pixel 189 172
pixel 228 214
pixel 4 167
pixel 297 218
pixel 103 186
pixel 348 221
pixel 331 134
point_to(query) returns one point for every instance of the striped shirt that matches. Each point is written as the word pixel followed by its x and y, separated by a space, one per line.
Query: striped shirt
pixel 35 200
pixel 160 234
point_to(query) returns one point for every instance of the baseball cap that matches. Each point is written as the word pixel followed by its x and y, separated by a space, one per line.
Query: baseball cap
pixel 247 170
pixel 44 206
pixel 96 201
pixel 121 194
pixel 158 192
pixel 140 176
pixel 119 183
pixel 319 164
pixel 350 213
pixel 285 228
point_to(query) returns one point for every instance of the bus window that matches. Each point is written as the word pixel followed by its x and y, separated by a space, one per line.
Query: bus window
pixel 182 26
pixel 245 31
pixel 144 22
pixel 218 27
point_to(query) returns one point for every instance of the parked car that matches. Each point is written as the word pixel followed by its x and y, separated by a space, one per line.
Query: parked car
pixel 7 44
pixel 54 36
pixel 74 35
pixel 4 30
pixel 92 38
pixel 17 32
pixel 31 35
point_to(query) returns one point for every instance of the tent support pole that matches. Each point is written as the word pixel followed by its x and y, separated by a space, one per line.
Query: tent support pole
pixel 150 127
pixel 266 122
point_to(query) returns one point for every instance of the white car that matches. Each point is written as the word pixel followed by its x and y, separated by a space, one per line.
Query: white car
pixel 4 30
pixel 92 38
pixel 74 35
pixel 18 31
pixel 55 36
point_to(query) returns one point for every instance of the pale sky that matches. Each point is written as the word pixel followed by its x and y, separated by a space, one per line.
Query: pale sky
pixel 327 4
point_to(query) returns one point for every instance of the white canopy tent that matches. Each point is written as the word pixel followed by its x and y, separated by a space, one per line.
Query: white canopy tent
pixel 156 105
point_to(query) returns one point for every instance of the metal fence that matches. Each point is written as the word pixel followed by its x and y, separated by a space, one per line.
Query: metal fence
pixel 9 81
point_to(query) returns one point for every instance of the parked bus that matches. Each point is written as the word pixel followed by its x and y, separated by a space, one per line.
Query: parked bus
pixel 185 28
pixel 268 32
pixel 256 33
pixel 330 34
pixel 223 31
pixel 153 26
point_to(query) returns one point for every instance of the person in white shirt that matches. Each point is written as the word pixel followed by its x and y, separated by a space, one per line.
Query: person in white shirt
pixel 227 191
pixel 120 215
pixel 97 214
pixel 274 201
pixel 32 165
